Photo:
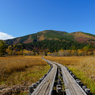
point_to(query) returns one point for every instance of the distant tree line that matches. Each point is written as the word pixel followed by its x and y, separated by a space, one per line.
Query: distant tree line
pixel 47 47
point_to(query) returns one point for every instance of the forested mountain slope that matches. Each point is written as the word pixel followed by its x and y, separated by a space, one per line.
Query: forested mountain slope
pixel 79 37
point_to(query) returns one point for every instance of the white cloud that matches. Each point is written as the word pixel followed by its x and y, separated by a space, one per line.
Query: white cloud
pixel 5 36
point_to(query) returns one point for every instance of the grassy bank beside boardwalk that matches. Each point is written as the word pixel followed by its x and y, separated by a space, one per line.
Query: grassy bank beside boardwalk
pixel 83 67
pixel 21 70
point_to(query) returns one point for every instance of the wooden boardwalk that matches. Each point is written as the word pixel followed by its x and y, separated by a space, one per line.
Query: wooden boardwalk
pixel 46 86
pixel 71 86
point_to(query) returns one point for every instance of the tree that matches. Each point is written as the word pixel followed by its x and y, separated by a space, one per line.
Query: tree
pixel 87 49
pixel 45 53
pixel 74 52
pixel 60 52
pixel 9 50
pixel 73 47
pixel 3 48
pixel 80 52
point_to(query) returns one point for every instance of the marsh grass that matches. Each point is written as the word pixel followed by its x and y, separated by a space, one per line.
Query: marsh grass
pixel 82 67
pixel 18 70
pixel 23 93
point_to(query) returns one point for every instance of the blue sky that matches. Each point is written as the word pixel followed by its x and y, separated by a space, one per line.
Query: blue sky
pixel 23 17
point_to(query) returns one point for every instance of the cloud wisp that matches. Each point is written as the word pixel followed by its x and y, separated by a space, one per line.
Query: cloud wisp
pixel 5 36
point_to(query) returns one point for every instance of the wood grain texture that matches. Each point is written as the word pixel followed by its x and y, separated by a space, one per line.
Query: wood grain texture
pixel 46 86
pixel 71 86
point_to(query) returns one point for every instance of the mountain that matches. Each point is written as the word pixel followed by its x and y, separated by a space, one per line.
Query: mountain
pixel 78 36
pixel 42 35
pixel 85 38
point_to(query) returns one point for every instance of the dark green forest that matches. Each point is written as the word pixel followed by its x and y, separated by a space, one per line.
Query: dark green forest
pixel 50 45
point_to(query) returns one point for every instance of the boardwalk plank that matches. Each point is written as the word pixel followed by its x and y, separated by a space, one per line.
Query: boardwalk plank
pixel 71 86
pixel 46 86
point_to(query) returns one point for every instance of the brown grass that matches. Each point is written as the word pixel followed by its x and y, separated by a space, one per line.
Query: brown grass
pixel 82 67
pixel 41 37
pixel 29 40
pixel 10 64
pixel 17 69
pixel 16 41
pixel 80 34
pixel 65 60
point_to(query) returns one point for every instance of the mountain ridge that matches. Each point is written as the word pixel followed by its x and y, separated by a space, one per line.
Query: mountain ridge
pixel 78 36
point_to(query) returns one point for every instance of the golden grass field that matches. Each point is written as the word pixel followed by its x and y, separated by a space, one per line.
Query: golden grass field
pixel 82 66
pixel 21 69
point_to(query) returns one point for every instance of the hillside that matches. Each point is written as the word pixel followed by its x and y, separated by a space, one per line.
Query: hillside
pixel 79 37
pixel 40 36
pixel 85 38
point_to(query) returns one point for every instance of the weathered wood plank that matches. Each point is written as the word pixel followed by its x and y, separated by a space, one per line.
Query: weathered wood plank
pixel 71 86
pixel 46 86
